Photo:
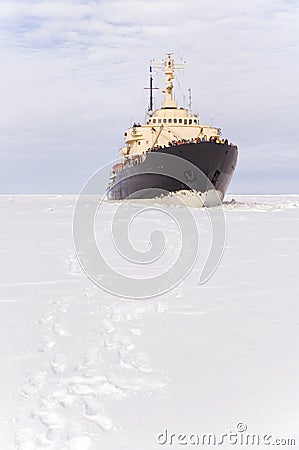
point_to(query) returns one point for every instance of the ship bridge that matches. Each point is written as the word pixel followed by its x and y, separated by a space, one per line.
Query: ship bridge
pixel 167 125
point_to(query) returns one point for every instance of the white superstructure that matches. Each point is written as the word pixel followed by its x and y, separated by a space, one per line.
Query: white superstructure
pixel 167 124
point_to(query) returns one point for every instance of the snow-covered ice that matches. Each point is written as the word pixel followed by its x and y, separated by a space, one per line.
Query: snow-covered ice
pixel 82 369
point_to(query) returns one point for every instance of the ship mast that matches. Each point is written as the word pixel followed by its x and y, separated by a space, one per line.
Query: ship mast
pixel 190 101
pixel 169 74
pixel 151 88
pixel 168 68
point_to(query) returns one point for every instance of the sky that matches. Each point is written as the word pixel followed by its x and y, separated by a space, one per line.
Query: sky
pixel 73 73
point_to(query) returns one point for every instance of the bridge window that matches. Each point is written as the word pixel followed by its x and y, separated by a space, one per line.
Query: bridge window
pixel 185 121
pixel 195 121
pixel 164 120
pixel 159 120
pixel 190 121
pixel 169 120
pixel 174 120
pixel 154 120
pixel 180 120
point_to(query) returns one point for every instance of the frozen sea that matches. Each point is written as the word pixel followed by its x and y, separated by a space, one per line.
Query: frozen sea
pixel 83 369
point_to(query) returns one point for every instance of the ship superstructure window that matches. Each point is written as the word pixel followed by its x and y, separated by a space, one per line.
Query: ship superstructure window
pixel 180 120
pixel 169 120
pixel 190 121
pixel 154 120
pixel 164 120
pixel 159 120
pixel 185 121
pixel 195 121
pixel 175 120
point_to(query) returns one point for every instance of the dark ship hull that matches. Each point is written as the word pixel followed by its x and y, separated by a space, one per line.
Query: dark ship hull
pixel 217 161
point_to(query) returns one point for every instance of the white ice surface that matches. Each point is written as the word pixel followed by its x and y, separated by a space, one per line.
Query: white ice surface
pixel 81 369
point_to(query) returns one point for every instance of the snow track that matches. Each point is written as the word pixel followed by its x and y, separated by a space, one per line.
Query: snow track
pixel 65 405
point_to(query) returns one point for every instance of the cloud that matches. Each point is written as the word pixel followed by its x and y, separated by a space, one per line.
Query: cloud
pixel 73 72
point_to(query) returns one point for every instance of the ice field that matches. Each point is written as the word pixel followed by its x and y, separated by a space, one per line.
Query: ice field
pixel 83 369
